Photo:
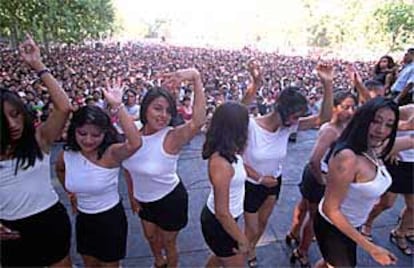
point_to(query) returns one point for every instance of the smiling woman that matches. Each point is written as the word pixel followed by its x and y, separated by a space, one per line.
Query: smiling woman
pixel 154 188
pixel 88 168
pixel 356 179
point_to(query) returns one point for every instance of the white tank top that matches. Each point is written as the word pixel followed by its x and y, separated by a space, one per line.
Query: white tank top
pixel 236 190
pixel 27 193
pixel 153 171
pixel 266 151
pixel 96 187
pixel 406 155
pixel 362 196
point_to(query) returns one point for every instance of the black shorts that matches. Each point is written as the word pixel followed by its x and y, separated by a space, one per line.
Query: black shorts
pixel 256 194
pixel 170 213
pixel 310 188
pixel 103 235
pixel 336 248
pixel 217 239
pixel 402 177
pixel 44 239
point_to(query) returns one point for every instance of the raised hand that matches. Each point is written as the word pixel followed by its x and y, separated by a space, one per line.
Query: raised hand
pixel 30 52
pixel 353 74
pixel 254 69
pixel 114 92
pixel 325 72
pixel 172 80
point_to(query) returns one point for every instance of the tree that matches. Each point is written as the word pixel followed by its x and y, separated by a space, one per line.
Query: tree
pixel 396 19
pixel 68 21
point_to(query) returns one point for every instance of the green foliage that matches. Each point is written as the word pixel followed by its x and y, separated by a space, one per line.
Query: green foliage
pixel 372 24
pixel 68 21
pixel 396 19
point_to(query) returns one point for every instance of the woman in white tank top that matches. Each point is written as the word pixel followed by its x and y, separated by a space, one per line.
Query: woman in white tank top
pixel 30 211
pixel 88 169
pixel 225 141
pixel 267 147
pixel 155 191
pixel 356 179
pixel 313 182
pixel 401 169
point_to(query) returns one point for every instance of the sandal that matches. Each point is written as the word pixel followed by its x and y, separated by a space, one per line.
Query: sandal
pixel 163 265
pixel 301 258
pixel 410 235
pixel 410 238
pixel 291 240
pixel 365 233
pixel 401 243
pixel 252 263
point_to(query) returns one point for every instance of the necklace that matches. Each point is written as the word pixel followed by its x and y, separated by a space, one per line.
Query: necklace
pixel 372 156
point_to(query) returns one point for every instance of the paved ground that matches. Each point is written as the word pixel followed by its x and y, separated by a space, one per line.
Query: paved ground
pixel 272 251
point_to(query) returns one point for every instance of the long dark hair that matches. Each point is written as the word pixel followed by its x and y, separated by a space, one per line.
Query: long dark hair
pixel 227 133
pixel 93 115
pixel 27 149
pixel 151 95
pixel 355 135
pixel 390 64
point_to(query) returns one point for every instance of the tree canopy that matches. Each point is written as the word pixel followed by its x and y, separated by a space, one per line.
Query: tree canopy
pixel 67 21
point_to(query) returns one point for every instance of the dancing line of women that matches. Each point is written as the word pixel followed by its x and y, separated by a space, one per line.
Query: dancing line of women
pixel 245 159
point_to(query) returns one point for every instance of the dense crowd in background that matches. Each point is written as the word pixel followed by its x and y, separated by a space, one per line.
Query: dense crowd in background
pixel 84 70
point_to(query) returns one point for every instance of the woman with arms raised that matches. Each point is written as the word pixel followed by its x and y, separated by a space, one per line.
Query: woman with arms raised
pixel 30 209
pixel 154 188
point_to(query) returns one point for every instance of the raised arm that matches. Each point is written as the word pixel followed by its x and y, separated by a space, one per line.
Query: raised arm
pixel 255 83
pixel 326 74
pixel 51 130
pixel 183 134
pixel 356 80
pixel 119 152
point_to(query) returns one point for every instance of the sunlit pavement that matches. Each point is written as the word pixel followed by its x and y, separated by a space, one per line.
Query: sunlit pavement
pixel 272 250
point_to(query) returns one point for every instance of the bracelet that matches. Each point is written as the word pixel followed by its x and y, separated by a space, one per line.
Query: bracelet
pixel 42 72
pixel 116 109
pixel 260 179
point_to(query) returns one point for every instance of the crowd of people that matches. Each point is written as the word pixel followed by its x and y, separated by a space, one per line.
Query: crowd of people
pixel 134 107
pixel 82 72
